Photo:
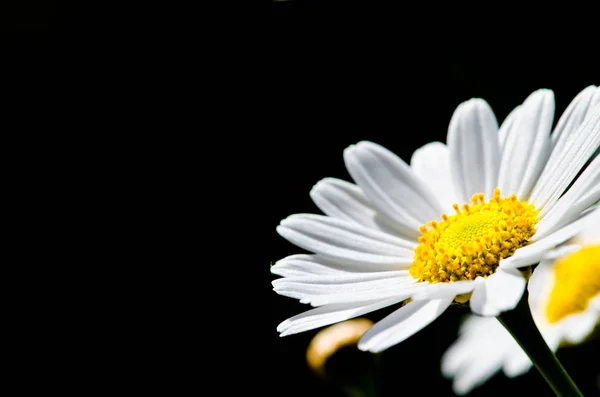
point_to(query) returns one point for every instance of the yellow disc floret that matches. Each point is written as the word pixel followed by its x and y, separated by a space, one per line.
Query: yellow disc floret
pixel 577 281
pixel 472 242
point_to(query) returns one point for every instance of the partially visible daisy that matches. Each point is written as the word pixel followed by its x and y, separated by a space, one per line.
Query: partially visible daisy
pixel 512 195
pixel 564 297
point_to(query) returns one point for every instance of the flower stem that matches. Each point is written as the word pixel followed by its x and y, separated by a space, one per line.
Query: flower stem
pixel 521 326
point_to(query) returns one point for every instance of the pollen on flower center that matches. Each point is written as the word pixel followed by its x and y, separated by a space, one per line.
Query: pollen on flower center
pixel 472 242
pixel 577 281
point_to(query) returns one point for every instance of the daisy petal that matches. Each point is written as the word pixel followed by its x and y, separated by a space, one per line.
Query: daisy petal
pixel 507 125
pixel 516 363
pixel 534 252
pixel 578 326
pixel 560 251
pixel 474 150
pixel 391 186
pixel 341 279
pixel 443 290
pixel 346 242
pixel 574 115
pixel 473 323
pixel 472 358
pixel 584 192
pixel 315 267
pixel 485 366
pixel 590 235
pixel 567 212
pixel 564 165
pixel 527 147
pixel 431 163
pixel 402 289
pixel 330 314
pixel 345 200
pixel 303 265
pixel 500 292
pixel 306 290
pixel 461 351
pixel 539 285
pixel 402 324
pixel 594 304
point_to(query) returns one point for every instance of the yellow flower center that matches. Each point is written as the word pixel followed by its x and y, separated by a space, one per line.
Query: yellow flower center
pixel 577 281
pixel 472 242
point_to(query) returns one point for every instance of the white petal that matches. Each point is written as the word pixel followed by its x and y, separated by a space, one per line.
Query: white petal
pixel 347 242
pixel 443 290
pixel 346 278
pixel 459 353
pixel 534 252
pixel 392 187
pixel 552 338
pixel 590 234
pixel 561 251
pixel 307 290
pixel 488 363
pixel 330 314
pixel 527 147
pixel 402 289
pixel 402 324
pixel 594 304
pixel 313 267
pixel 570 209
pixel 345 200
pixel 507 125
pixel 516 363
pixel 474 150
pixel 473 324
pixel 577 327
pixel 432 164
pixel 475 333
pixel 500 292
pixel 574 115
pixel 539 286
pixel 584 192
pixel 300 265
pixel 564 164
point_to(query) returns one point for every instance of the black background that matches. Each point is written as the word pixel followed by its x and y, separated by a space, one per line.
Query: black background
pixel 347 72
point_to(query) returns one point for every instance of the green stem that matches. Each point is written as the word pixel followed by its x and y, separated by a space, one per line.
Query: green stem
pixel 521 326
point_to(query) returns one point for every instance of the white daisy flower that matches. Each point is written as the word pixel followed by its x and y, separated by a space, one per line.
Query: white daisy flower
pixel 564 298
pixel 387 239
